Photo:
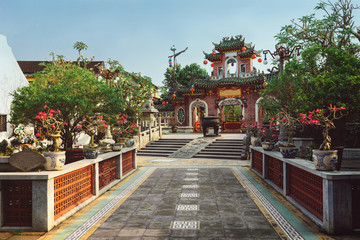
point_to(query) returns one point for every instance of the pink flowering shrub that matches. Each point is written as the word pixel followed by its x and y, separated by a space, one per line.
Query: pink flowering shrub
pixel 124 128
pixel 324 119
pixel 47 125
pixel 92 126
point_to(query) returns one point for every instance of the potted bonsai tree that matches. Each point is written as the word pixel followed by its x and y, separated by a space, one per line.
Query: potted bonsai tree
pixel 91 126
pixel 291 125
pixel 49 127
pixel 324 158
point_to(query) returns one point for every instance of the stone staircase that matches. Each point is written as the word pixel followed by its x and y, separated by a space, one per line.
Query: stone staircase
pixel 163 147
pixel 223 149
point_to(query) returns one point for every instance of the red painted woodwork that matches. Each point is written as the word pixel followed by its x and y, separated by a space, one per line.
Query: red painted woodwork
pixel 127 162
pixel 17 203
pixel 257 161
pixel 107 172
pixel 275 171
pixel 306 189
pixel 72 189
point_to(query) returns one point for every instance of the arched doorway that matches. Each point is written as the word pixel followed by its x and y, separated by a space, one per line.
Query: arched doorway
pixel 197 110
pixel 231 114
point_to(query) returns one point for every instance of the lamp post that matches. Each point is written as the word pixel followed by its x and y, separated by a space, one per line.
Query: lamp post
pixel 173 49
pixel 281 54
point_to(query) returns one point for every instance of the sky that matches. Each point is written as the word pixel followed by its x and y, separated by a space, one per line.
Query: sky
pixel 140 33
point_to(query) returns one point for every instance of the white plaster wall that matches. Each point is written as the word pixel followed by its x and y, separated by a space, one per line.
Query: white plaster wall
pixel 11 78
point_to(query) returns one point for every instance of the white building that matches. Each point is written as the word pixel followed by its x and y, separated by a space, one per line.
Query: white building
pixel 11 78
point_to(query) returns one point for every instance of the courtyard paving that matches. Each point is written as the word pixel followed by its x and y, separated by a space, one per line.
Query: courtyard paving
pixel 180 198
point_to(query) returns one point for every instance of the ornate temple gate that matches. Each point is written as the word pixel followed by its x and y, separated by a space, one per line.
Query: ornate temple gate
pixel 230 126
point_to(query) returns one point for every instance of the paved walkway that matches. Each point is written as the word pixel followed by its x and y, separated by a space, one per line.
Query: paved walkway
pixel 177 198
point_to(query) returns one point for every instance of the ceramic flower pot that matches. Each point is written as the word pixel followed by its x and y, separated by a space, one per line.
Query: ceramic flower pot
pixel 325 160
pixel 268 146
pixel 289 152
pixel 54 160
pixel 91 153
pixel 129 142
pixel 117 146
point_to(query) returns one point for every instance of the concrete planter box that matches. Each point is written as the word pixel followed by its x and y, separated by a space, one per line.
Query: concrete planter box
pixel 52 196
pixel 329 198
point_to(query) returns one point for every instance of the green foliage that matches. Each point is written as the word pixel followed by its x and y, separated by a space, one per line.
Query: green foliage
pixel 183 76
pixel 75 91
pixel 329 69
pixel 335 29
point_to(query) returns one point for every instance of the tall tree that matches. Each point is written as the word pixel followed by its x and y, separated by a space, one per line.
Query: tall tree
pixel 183 76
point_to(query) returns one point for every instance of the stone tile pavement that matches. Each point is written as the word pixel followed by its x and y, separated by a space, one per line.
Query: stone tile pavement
pixel 172 198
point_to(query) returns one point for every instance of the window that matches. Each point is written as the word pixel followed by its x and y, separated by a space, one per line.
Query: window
pixel 220 71
pixel 2 123
pixel 243 68
pixel 181 115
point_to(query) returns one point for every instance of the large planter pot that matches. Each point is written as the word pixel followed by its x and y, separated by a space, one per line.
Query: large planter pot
pixel 325 160
pixel 74 155
pixel 289 152
pixel 252 140
pixel 267 146
pixel 54 160
pixel 117 146
pixel 303 144
pixel 129 142
pixel 340 151
pixel 91 153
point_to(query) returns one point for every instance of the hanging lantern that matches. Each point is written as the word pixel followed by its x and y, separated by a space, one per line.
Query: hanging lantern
pixel 244 49
pixel 253 56
pixel 173 95
pixel 212 65
pixel 205 62
pixel 170 65
pixel 213 53
pixel 265 84
pixel 169 59
pixel 192 90
pixel 153 99
pixel 170 68
pixel 232 64
pixel 259 60
pixel 164 103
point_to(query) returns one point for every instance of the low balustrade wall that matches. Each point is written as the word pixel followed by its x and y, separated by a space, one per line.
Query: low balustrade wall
pixel 38 201
pixel 148 131
pixel 330 199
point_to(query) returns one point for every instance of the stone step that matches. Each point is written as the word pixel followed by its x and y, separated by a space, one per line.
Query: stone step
pixel 223 157
pixel 220 154
pixel 162 148
pixel 166 143
pixel 154 151
pixel 226 144
pixel 217 151
pixel 153 154
pixel 225 147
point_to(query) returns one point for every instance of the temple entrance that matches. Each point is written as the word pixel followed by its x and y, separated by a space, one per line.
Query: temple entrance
pixel 231 112
pixel 198 110
pixel 198 115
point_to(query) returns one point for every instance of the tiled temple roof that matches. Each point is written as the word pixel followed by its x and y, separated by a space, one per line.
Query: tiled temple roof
pixel 233 81
pixel 230 44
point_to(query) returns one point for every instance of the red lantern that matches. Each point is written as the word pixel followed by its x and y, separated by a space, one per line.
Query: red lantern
pixel 192 90
pixel 164 103
pixel 259 60
pixel 153 99
pixel 265 84
pixel 212 65
pixel 174 95
pixel 244 49
pixel 253 56
pixel 213 53
pixel 205 62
